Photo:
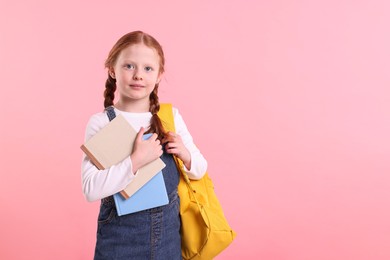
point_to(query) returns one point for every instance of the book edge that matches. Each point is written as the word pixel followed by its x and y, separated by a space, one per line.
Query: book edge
pixel 158 162
pixel 92 157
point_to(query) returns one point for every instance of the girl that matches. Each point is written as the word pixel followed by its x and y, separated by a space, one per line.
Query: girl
pixel 135 67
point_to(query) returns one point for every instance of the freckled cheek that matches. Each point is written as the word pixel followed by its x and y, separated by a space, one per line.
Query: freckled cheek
pixel 122 82
pixel 125 79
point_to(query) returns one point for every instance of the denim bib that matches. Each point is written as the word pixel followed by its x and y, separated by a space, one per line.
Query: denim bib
pixel 148 234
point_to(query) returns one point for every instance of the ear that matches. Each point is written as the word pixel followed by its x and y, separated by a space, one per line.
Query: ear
pixel 112 73
pixel 159 78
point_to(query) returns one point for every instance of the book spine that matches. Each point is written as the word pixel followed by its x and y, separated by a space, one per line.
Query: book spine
pixel 124 194
pixel 92 158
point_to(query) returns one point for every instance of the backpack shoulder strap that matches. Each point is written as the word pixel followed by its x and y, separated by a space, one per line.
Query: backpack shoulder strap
pixel 166 116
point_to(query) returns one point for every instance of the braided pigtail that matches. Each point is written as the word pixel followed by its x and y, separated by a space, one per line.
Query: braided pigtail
pixel 109 92
pixel 155 122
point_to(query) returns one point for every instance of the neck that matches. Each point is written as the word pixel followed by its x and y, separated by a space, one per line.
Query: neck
pixel 133 106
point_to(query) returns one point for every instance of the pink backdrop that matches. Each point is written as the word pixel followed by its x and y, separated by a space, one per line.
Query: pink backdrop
pixel 288 100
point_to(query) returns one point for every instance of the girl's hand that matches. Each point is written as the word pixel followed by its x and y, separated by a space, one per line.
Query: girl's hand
pixel 145 151
pixel 174 145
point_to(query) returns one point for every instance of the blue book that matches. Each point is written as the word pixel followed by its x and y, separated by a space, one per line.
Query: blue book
pixel 152 194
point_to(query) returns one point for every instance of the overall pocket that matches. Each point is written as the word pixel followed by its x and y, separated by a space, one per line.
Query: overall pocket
pixel 106 214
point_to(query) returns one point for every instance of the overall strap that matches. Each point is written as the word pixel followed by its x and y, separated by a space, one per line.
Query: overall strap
pixel 111 115
pixel 110 112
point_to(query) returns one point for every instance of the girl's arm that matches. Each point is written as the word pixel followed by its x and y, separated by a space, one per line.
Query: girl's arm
pixel 198 162
pixel 98 184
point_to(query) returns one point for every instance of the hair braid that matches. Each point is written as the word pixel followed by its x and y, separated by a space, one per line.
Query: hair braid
pixel 109 92
pixel 155 122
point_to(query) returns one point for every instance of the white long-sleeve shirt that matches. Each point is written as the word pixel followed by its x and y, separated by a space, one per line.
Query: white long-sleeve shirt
pixel 98 184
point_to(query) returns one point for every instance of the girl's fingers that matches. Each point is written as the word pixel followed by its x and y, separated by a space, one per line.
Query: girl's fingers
pixel 172 151
pixel 170 146
pixel 140 134
pixel 154 137
pixel 173 143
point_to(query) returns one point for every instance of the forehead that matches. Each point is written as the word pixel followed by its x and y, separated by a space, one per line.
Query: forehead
pixel 139 53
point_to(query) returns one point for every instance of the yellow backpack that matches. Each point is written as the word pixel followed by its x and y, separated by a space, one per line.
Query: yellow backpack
pixel 205 231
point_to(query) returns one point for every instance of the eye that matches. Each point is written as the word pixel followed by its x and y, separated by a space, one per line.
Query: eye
pixel 148 68
pixel 129 66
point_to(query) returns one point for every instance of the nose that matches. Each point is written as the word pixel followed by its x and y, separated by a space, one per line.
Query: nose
pixel 137 75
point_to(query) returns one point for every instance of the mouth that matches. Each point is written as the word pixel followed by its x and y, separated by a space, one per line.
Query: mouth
pixel 136 86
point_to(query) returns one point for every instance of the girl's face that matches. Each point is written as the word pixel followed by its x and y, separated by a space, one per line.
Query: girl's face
pixel 136 72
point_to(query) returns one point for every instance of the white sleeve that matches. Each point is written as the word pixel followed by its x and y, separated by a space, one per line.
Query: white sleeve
pixel 98 184
pixel 198 162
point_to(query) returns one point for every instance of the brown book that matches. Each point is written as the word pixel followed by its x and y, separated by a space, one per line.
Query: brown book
pixel 112 144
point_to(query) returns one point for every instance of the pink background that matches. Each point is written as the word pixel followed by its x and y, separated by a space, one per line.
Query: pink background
pixel 288 100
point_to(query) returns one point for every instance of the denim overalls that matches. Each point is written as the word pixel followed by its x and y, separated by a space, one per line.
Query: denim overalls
pixel 148 234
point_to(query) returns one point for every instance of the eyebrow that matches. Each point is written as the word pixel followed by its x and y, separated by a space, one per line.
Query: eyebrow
pixel 145 64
